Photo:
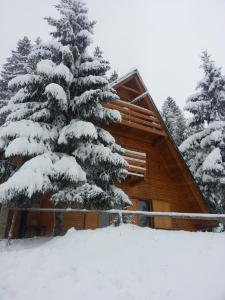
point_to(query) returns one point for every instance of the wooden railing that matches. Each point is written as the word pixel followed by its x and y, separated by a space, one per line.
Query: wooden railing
pixel 136 161
pixel 119 213
pixel 175 215
pixel 137 117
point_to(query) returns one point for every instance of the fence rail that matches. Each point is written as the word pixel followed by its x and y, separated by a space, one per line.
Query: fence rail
pixel 176 215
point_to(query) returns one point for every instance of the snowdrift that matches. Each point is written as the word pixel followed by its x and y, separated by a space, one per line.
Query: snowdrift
pixel 120 263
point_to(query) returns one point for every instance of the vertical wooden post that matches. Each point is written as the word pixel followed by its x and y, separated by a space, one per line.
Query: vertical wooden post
pixel 57 230
pixel 84 226
pixel 118 219
pixel 12 226
pixel 4 212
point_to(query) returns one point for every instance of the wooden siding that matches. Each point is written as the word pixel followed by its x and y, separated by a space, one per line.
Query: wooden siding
pixel 164 223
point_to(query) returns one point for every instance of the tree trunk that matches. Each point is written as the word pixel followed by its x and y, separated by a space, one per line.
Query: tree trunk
pixel 3 221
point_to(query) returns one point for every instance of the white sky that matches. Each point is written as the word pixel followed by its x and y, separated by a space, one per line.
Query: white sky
pixel 162 38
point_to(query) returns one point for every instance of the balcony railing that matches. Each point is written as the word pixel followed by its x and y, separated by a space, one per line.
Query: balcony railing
pixel 136 161
pixel 137 117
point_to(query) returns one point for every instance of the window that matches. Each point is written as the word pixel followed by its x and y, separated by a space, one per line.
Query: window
pixel 144 205
pixel 104 220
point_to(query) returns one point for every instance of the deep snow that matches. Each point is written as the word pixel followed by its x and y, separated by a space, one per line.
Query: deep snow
pixel 119 263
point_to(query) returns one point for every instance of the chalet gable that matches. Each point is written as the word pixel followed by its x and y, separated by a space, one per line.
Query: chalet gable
pixel 142 120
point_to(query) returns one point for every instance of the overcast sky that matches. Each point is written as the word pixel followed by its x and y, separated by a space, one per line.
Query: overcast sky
pixel 162 38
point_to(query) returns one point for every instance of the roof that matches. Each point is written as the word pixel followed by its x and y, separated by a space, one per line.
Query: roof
pixel 119 82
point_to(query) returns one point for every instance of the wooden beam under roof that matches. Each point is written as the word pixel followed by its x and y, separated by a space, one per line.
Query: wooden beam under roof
pixel 130 89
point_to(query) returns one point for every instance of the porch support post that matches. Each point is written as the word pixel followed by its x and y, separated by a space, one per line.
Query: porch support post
pixel 4 212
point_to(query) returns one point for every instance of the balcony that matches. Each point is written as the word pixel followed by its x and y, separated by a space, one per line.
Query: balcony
pixel 137 117
pixel 136 161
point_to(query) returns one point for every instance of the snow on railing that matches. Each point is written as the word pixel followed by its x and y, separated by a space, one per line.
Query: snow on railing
pixel 182 215
pixel 137 117
pixel 136 161
pixel 120 213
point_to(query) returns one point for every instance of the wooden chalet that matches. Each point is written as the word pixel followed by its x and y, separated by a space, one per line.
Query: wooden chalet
pixel 158 178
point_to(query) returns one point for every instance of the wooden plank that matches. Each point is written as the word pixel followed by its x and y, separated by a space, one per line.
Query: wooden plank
pixel 136 153
pixel 163 223
pixel 135 163
pixel 140 159
pixel 137 120
pixel 132 112
pixel 136 174
pixel 130 89
pixel 176 215
pixel 144 128
pixel 135 107
pixel 135 156
pixel 136 169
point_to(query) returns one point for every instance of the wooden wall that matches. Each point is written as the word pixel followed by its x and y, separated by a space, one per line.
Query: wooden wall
pixel 163 185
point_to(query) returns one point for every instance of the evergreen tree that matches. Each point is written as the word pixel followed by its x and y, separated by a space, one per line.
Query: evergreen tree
pixel 192 128
pixel 204 151
pixel 113 77
pixel 208 103
pixel 31 130
pixel 54 123
pixel 94 148
pixel 16 64
pixel 174 120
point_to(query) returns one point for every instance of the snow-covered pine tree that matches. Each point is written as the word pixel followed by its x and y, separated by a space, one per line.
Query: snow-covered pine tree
pixel 174 120
pixel 208 103
pixel 113 77
pixel 16 64
pixel 29 137
pixel 94 147
pixel 204 151
pixel 53 119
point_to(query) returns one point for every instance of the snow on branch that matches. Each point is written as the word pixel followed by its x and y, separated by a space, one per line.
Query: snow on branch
pixel 57 92
pixel 29 129
pixel 77 129
pixel 213 161
pixel 37 174
pixel 23 80
pixel 26 147
pixel 67 168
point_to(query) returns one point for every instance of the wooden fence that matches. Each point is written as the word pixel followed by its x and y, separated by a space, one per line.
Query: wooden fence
pixel 120 213
pixel 194 216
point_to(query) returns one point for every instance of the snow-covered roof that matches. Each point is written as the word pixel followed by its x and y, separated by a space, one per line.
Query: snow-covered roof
pixel 133 71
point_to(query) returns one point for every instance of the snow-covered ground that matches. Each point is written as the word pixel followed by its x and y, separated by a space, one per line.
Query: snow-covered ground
pixel 123 263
